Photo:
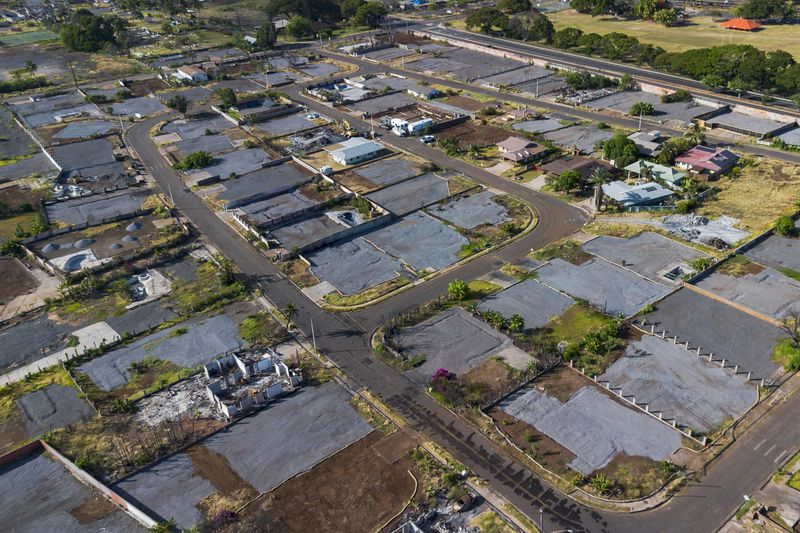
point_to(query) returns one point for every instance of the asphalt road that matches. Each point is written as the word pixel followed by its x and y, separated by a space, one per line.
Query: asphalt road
pixel 345 339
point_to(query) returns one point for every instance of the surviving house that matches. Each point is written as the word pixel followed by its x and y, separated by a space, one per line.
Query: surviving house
pixel 580 164
pixel 191 74
pixel 707 160
pixel 647 142
pixel 521 150
pixel 636 195
pixel 355 150
pixel 647 171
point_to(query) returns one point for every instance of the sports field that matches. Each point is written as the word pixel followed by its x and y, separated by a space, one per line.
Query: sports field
pixel 698 32
pixel 14 39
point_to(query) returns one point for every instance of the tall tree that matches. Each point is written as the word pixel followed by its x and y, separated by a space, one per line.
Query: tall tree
pixel 266 35
pixel 370 14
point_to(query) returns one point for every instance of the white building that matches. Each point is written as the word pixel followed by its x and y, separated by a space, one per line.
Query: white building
pixel 190 73
pixel 355 150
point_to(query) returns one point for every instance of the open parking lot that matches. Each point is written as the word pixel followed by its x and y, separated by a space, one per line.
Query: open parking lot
pixel 762 289
pixel 649 254
pixel 593 426
pixel 583 138
pixel 471 211
pixel 354 266
pixel 531 300
pixel 457 341
pixel 681 385
pixel 413 194
pixel 256 454
pixel 608 287
pixel 45 497
pixel 740 338
pixel 420 240
pixel 777 252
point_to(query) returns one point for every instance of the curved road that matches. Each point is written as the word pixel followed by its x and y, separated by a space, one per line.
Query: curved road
pixel 345 339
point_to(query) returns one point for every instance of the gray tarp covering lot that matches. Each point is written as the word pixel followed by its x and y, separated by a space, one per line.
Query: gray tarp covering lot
pixel 212 144
pixel 530 299
pixel 420 240
pixel 202 341
pixel 678 383
pixel 516 76
pixel 593 427
pixel 285 125
pixel 454 340
pixel 388 171
pixel 265 211
pixel 264 183
pixel 96 207
pixel 606 286
pixel 39 494
pixel 304 232
pixel 354 266
pixel 646 254
pixel 197 127
pixel 30 340
pixel 389 54
pixel 584 138
pixel 85 129
pixel 137 106
pixel 407 196
pixel 288 437
pixel 382 104
pixel 140 319
pixel 192 94
pixel 740 338
pixel 471 211
pixel 768 292
pixel 51 117
pixel 319 70
pixel 37 163
pixel 238 163
pixel 622 102
pixel 83 154
pixel 52 407
pixel 777 252
pixel 541 126
pixel 15 142
pixel 44 104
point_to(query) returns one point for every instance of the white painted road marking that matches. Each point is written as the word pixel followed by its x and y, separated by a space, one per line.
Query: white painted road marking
pixel 759 444
pixel 780 456
pixel 771 448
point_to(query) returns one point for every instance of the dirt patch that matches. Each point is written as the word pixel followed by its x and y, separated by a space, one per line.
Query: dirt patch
pixel 633 476
pixel 470 133
pixel 215 468
pixel 14 198
pixel 561 383
pixel 465 102
pixel 493 378
pixel 354 490
pixel 93 509
pixel 739 266
pixel 12 431
pixel 17 280
pixel 146 87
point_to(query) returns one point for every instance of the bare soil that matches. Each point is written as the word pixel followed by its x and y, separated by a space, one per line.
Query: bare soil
pixel 354 490
pixel 632 476
pixel 12 431
pixel 17 280
pixel 470 133
pixel 14 197
pixel 493 377
pixel 93 509
pixel 145 87
pixel 465 102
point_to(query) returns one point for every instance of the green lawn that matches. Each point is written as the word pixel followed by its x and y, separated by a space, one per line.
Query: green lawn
pixel 573 325
pixel 8 225
pixel 698 33
pixel 14 39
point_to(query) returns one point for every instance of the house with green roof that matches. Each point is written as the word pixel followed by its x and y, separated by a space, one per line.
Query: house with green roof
pixel 647 171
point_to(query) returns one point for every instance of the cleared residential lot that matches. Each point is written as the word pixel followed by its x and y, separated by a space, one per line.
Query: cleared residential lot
pixel 457 341
pixel 285 125
pixel 622 102
pixel 236 163
pixel 383 104
pixel 30 340
pixel 411 195
pixel 257 453
pixel 354 266
pixel 471 211
pixel 388 171
pixel 96 206
pixel 530 299
pixel 766 291
pixel 263 183
pixel 740 338
pixel 648 254
pixel 583 138
pixel 777 252
pixel 678 383
pixel 606 286
pixel 593 427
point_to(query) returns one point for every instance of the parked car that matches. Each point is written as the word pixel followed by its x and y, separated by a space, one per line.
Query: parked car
pixel 464 502
pixel 312 116
pixel 427 139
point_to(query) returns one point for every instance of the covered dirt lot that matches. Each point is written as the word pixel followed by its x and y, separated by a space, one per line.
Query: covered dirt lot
pixel 358 489
pixel 470 133
pixel 17 280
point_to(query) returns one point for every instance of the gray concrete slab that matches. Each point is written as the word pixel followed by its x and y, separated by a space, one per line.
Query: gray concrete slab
pixel 143 106
pixel 237 163
pixel 388 171
pixel 454 340
pixel 768 292
pixel 31 339
pixel 740 338
pixel 593 427
pixel 193 128
pixel 74 156
pixel 471 211
pixel 303 232
pixel 543 125
pixel 383 104
pixel 777 252
pixel 142 318
pixel 263 449
pixel 678 383
pixel 421 241
pixel 264 183
pixel 285 125
pixel 85 129
pixel 213 144
pixel 354 266
pixel 39 493
pixel 52 407
pixel 410 195
pixel 36 164
pixel 265 211
pixel 604 285
pixel 648 254
pixel 96 207
pixel 202 341
pixel 319 70
pixel 530 299
pixel 584 138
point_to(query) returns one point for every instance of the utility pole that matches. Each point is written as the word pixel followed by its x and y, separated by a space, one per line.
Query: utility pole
pixel 313 336
pixel 72 70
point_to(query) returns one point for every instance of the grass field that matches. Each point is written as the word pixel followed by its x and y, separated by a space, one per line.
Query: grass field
pixel 14 39
pixel 699 32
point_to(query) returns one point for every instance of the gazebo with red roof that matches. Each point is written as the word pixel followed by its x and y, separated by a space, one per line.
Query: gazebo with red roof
pixel 740 24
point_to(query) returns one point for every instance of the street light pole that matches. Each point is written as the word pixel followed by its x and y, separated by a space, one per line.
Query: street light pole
pixel 541 520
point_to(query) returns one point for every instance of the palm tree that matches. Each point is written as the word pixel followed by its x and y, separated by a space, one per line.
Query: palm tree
pixel 696 134
pixel 457 289
pixel 31 67
pixel 289 312
pixel 599 176
pixel 474 151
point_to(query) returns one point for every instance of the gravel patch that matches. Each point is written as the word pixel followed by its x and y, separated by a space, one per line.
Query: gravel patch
pixel 606 286
pixel 768 292
pixel 683 386
pixel 410 195
pixel 472 211
pixel 420 240
pixel 593 427
pixel 354 266
pixel 52 407
pixel 530 299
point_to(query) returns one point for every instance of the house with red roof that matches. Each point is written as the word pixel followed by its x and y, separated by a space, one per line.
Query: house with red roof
pixel 706 160
pixel 740 24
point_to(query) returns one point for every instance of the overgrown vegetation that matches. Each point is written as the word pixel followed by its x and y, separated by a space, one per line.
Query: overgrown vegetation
pixel 261 329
